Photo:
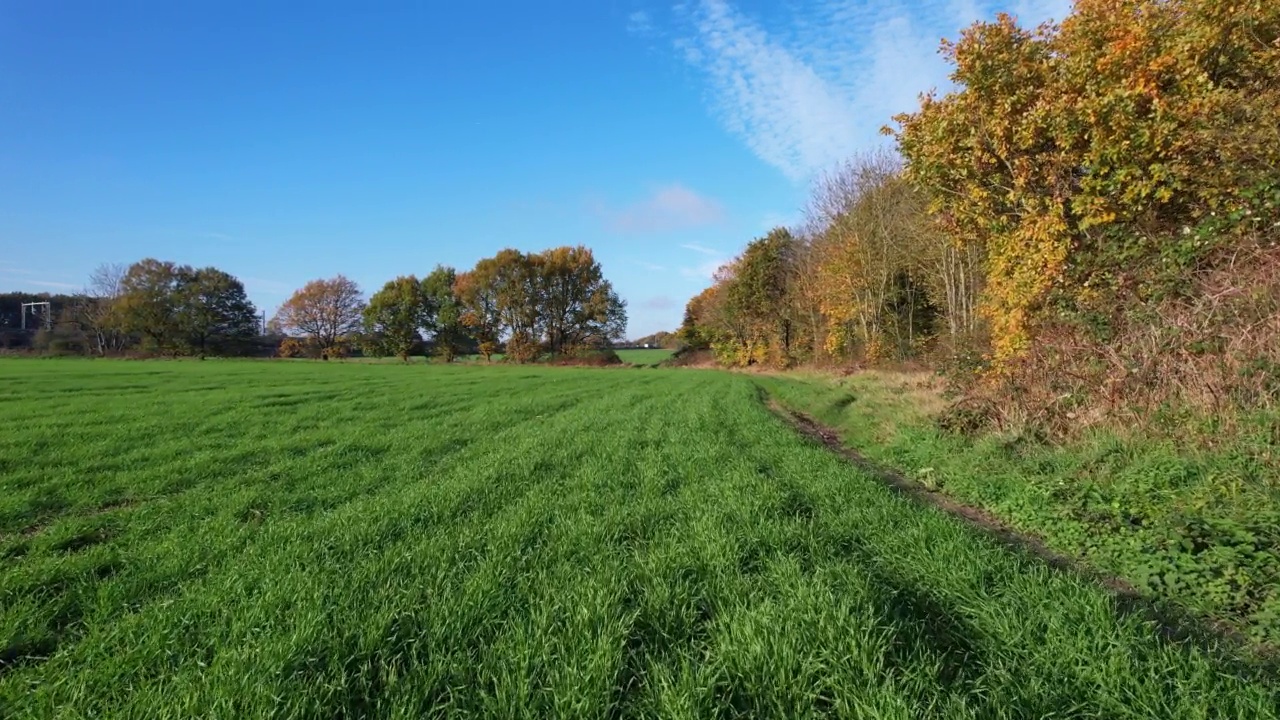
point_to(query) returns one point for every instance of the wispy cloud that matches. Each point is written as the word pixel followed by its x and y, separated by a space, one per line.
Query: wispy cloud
pixel 25 277
pixel 701 249
pixel 669 208
pixel 640 23
pixel 703 270
pixel 807 89
pixel 706 268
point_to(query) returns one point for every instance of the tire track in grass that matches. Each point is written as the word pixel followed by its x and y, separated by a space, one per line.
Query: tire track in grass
pixel 1070 621
pixel 660 546
pixel 1040 624
pixel 1173 623
pixel 689 611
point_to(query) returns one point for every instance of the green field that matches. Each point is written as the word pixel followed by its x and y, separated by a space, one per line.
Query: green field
pixel 298 539
pixel 645 356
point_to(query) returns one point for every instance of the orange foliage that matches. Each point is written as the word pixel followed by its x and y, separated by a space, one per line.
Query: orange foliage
pixel 1073 154
pixel 323 310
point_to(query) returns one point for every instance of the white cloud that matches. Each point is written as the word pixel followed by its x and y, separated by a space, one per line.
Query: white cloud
pixel 669 208
pixel 706 268
pixel 807 90
pixel 7 269
pixel 702 249
pixel 24 277
pixel 639 23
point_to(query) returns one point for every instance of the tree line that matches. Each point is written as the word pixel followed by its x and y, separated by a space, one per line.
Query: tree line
pixel 151 306
pixel 554 303
pixel 526 305
pixel 1088 221
pixel 870 277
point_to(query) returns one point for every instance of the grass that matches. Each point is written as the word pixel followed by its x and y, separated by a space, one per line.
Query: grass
pixel 642 357
pixel 1195 529
pixel 243 539
pixel 645 356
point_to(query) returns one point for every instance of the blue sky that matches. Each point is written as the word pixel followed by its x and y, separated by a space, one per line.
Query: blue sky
pixel 287 141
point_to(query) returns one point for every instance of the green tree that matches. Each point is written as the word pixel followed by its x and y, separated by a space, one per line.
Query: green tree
pixel 555 301
pixel 398 314
pixel 757 296
pixel 451 337
pixel 212 310
pixel 148 302
pixel 577 306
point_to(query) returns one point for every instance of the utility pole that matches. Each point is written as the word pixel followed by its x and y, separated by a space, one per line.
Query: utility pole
pixel 48 313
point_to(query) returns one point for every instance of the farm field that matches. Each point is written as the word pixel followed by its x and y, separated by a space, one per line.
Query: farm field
pixel 243 539
pixel 642 356
pixel 645 356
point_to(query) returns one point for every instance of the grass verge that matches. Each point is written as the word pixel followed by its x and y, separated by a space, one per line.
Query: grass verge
pixel 1197 530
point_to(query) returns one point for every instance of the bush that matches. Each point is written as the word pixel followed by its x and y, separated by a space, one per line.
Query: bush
pixel 523 349
pixel 588 356
pixel 293 348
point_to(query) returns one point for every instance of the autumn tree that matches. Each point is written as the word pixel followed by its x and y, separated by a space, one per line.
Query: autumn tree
pixel 802 298
pixel 874 252
pixel 517 286
pixel 398 314
pixel 478 302
pixel 703 324
pixel 577 305
pixel 450 339
pixel 555 301
pixel 149 301
pixel 861 280
pixel 756 297
pixel 1073 157
pixel 324 311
